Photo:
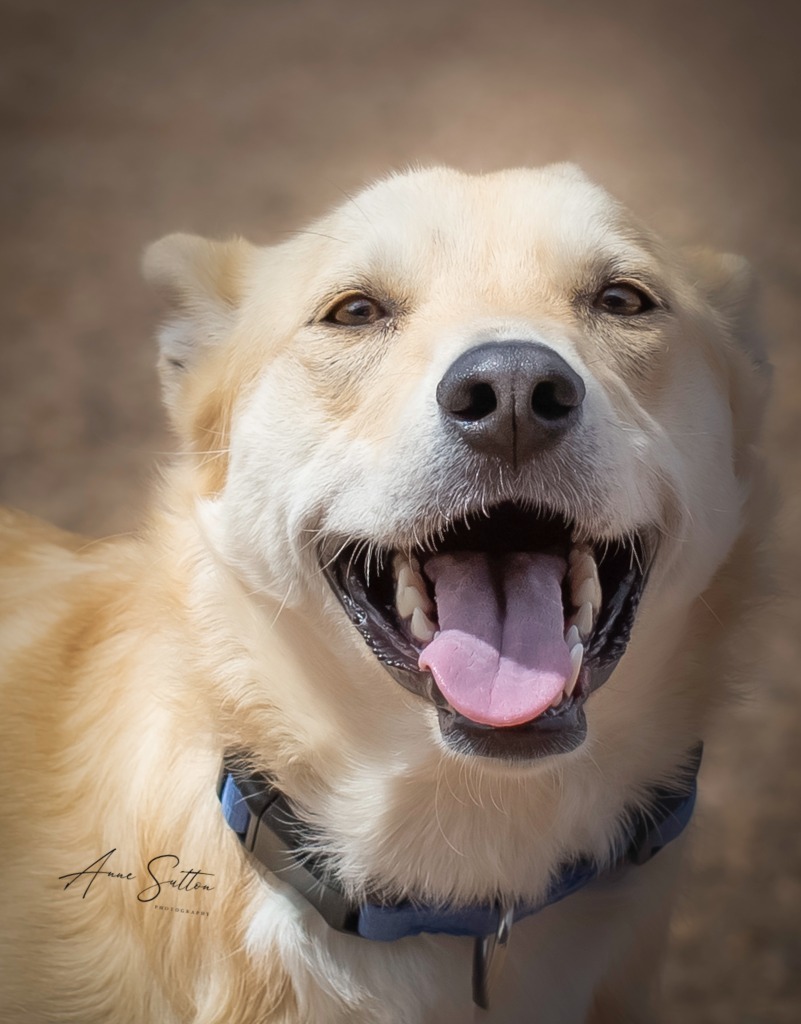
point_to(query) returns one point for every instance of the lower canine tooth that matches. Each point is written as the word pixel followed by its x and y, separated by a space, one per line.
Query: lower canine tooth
pixel 421 626
pixel 572 637
pixel 576 658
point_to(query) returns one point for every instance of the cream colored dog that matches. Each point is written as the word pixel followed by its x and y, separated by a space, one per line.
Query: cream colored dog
pixel 434 452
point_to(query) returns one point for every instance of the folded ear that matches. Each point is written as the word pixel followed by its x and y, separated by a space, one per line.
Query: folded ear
pixel 202 282
pixel 729 284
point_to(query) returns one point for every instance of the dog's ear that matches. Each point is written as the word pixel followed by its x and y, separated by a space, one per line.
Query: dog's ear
pixel 729 285
pixel 202 282
pixel 569 170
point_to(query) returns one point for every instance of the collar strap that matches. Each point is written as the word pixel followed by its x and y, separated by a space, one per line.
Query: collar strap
pixel 269 829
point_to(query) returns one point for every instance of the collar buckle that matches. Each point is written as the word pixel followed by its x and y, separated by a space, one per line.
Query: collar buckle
pixel 489 953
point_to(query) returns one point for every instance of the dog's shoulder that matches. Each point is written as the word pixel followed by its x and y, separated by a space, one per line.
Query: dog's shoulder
pixel 20 533
pixel 55 588
pixel 42 565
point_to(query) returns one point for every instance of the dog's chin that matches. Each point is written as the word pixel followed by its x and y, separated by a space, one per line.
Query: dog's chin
pixel 552 733
pixel 390 596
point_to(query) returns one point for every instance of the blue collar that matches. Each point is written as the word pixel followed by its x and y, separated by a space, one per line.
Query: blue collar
pixel 269 828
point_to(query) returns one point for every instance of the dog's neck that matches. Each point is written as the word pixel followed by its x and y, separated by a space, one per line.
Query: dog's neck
pixel 282 842
pixel 285 844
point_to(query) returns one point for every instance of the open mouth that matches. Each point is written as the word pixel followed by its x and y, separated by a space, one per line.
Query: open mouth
pixel 506 623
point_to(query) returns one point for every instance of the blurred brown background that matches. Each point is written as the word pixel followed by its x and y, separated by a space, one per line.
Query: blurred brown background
pixel 122 121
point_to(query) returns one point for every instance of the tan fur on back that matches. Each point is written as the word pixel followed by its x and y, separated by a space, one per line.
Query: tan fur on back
pixel 128 667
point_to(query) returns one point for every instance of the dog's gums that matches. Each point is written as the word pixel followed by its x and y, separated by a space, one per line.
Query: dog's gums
pixel 506 622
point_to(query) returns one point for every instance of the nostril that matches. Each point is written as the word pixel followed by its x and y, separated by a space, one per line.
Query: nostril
pixel 483 401
pixel 480 400
pixel 547 403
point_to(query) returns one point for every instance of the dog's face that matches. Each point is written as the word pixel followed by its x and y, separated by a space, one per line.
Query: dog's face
pixel 482 428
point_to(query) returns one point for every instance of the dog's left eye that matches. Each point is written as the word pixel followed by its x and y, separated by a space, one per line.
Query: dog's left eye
pixel 623 299
pixel 356 311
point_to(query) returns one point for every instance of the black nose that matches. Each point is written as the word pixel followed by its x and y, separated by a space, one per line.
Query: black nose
pixel 511 399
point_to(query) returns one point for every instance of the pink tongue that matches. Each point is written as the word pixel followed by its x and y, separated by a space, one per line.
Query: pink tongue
pixel 500 657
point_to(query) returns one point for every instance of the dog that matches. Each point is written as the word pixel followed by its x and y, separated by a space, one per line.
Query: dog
pixel 389 708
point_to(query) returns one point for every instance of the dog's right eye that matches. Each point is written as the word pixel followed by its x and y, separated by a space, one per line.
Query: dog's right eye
pixel 355 311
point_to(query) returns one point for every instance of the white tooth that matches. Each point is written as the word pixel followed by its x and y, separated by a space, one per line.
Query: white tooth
pixel 422 627
pixel 405 575
pixel 572 637
pixel 584 582
pixel 592 568
pixel 398 562
pixel 580 567
pixel 576 658
pixel 584 568
pixel 410 578
pixel 410 593
pixel 583 620
pixel 407 601
pixel 587 592
pixel 578 552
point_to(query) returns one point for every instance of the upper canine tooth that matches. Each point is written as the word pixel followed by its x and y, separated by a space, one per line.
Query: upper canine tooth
pixel 410 593
pixel 422 627
pixel 584 567
pixel 587 591
pixel 592 568
pixel 578 552
pixel 406 575
pixel 408 599
pixel 583 620
pixel 572 637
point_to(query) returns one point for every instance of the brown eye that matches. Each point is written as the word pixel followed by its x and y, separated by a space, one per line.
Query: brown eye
pixel 623 300
pixel 356 311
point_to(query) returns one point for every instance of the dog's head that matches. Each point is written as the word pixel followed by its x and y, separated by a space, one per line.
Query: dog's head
pixel 474 423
